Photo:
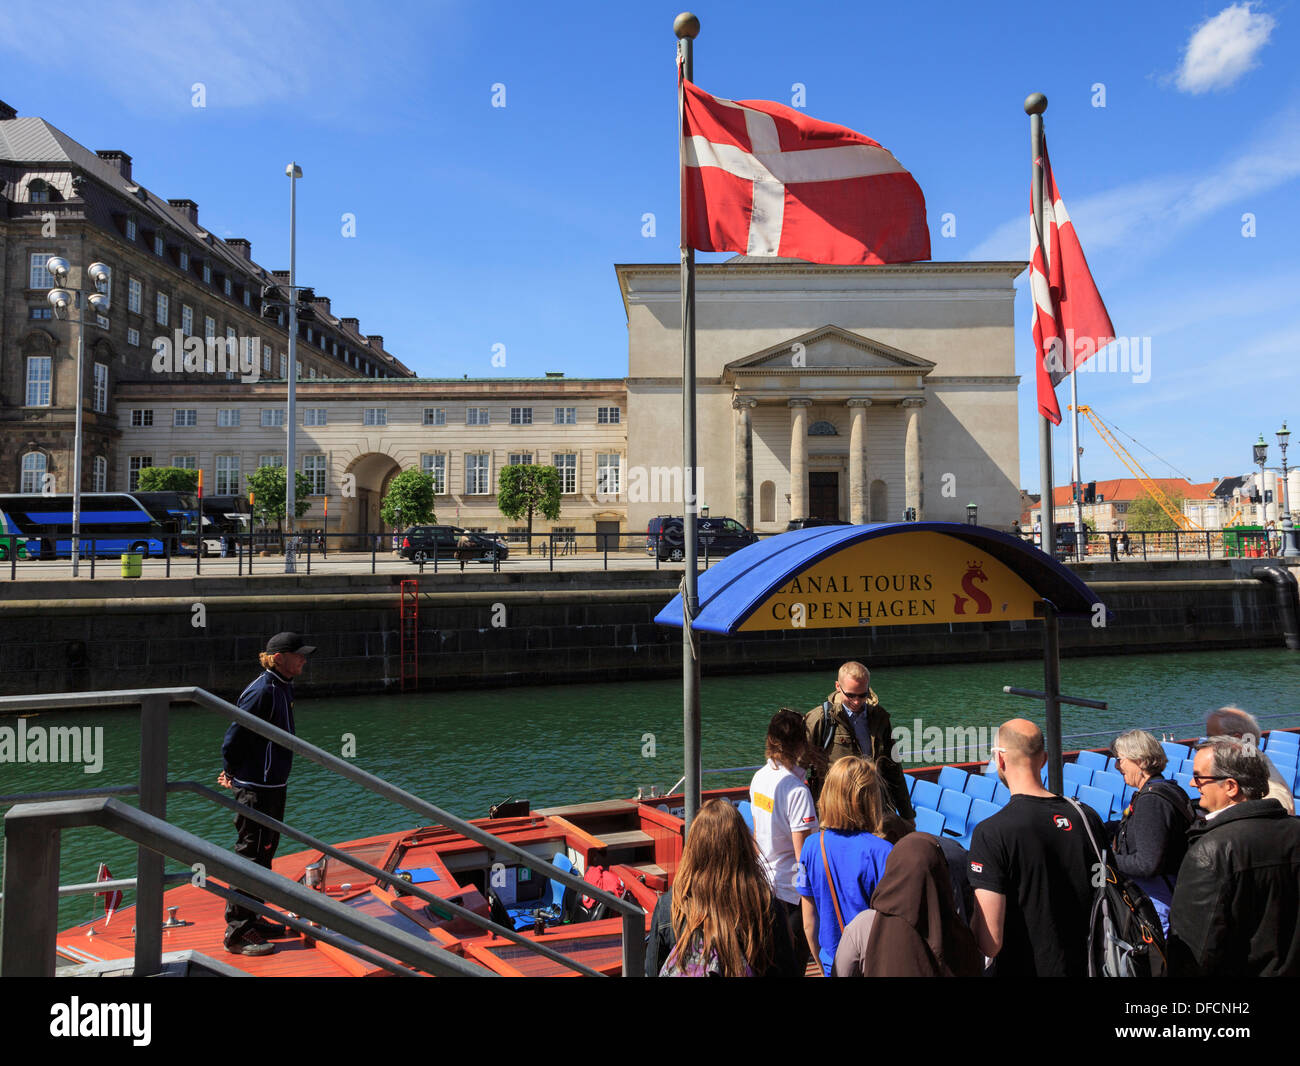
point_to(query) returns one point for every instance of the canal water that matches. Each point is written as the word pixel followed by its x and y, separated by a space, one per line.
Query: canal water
pixel 553 745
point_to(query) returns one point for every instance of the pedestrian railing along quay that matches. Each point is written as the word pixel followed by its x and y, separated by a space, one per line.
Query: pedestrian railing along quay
pixel 32 831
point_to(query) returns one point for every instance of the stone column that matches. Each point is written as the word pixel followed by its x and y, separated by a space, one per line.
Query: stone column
pixel 799 458
pixel 858 489
pixel 744 452
pixel 914 477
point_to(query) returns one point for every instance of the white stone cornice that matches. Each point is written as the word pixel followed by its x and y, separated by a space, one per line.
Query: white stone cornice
pixel 799 403
pixel 912 401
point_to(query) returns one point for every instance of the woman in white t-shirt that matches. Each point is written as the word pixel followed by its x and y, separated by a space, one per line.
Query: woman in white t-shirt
pixel 784 815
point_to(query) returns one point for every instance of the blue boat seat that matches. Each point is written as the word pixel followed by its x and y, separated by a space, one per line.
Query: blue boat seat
pixel 1114 784
pixel 1096 798
pixel 979 810
pixel 955 808
pixel 1069 788
pixel 550 905
pixel 926 794
pixel 1001 794
pixel 1093 760
pixel 980 787
pixel 911 782
pixel 1279 741
pixel 1112 764
pixel 746 810
pixel 1176 752
pixel 953 778
pixel 929 821
pixel 1074 772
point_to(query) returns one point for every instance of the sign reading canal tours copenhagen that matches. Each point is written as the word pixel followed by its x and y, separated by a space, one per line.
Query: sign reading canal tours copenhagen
pixel 922 578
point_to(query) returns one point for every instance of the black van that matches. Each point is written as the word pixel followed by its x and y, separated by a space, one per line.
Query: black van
pixel 423 542
pixel 721 535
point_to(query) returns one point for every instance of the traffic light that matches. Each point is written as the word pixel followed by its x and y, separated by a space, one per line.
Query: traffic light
pixel 306 313
pixel 273 299
pixel 1090 493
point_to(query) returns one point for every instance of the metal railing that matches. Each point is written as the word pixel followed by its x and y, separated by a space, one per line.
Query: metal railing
pixel 155 707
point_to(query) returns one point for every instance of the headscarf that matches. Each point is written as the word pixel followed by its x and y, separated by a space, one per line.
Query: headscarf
pixel 916 931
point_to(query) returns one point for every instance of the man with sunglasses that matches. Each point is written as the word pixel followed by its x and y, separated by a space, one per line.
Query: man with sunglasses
pixel 1236 907
pixel 851 721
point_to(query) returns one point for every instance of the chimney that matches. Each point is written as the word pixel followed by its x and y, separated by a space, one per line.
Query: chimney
pixel 353 324
pixel 375 340
pixel 117 159
pixel 7 112
pixel 188 208
pixel 323 301
pixel 555 373
pixel 280 275
pixel 242 246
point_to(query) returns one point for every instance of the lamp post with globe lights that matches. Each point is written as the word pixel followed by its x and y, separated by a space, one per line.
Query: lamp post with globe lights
pixel 1289 549
pixel 1261 457
pixel 65 301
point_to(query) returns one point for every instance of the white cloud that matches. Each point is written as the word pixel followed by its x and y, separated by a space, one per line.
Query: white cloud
pixel 1223 48
pixel 1139 216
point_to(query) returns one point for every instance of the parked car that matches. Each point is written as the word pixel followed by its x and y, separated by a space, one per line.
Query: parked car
pixel 424 542
pixel 720 535
pixel 809 523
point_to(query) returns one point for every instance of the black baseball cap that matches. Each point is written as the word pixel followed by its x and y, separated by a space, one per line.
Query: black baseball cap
pixel 288 642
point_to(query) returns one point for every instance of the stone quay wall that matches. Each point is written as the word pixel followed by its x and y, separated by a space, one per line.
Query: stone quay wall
pixel 538 628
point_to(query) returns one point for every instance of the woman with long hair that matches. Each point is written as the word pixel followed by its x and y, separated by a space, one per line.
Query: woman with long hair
pixel 844 862
pixel 723 915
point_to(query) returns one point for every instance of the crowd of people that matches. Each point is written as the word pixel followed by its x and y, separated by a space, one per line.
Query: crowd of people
pixel 834 868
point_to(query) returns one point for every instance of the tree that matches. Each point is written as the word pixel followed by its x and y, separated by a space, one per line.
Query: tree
pixel 1145 514
pixel 409 501
pixel 528 490
pixel 267 484
pixel 168 479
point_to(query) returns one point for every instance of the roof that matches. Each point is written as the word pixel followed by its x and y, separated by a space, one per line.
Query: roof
pixel 1127 489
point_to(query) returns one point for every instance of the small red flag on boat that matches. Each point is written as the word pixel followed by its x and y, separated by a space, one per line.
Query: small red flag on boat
pixel 767 180
pixel 1070 321
pixel 113 899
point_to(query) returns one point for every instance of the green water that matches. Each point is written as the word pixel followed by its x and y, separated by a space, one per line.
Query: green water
pixel 564 744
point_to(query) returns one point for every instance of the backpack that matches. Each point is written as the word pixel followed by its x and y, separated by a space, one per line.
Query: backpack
pixel 1125 938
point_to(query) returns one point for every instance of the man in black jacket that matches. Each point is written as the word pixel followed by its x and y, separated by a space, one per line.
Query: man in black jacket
pixel 258 770
pixel 1237 901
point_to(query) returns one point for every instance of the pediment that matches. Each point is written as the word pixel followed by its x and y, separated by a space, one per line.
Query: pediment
pixel 830 348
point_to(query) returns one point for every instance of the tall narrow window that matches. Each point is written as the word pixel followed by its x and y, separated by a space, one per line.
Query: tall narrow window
pixel 134 295
pixel 567 465
pixel 99 393
pixel 134 465
pixel 33 479
pixel 608 481
pixel 436 467
pixel 477 482
pixel 38 276
pixel 161 311
pixel 187 320
pixel 98 474
pixel 227 475
pixel 38 381
pixel 314 467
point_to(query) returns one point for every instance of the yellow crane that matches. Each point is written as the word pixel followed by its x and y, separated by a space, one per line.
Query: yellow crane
pixel 1135 468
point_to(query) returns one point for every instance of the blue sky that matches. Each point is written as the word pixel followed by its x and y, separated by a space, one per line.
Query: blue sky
pixel 479 225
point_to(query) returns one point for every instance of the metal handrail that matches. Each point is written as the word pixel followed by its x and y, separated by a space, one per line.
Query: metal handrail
pixel 723 770
pixel 156 705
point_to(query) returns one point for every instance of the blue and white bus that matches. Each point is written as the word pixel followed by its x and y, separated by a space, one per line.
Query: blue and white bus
pixel 112 523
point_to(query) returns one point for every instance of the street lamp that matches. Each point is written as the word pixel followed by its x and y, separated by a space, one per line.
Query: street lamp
pixel 63 301
pixel 1261 457
pixel 972 511
pixel 293 172
pixel 1289 549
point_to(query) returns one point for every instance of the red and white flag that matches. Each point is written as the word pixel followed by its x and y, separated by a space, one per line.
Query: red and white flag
pixel 113 899
pixel 766 180
pixel 1070 321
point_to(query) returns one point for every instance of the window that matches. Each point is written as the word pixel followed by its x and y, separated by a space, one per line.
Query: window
pixel 314 416
pixel 266 357
pixel 232 352
pixel 375 416
pixel 134 295
pixel 435 416
pixel 250 351
pixel 297 364
pixel 158 245
pixel 161 311
pixel 187 320
pixel 40 313
pixel 284 366
pixel 40 278
pixel 209 326
pixel 98 474
pixel 225 285
pixel 185 462
pixel 608 416
pixel 227 475
pixel 566 416
pixel 270 460
pixel 436 467
pixel 38 381
pixel 608 481
pixel 521 458
pixel 130 229
pixel 228 416
pixel 133 337
pixel 314 467
pixel 273 416
pixel 141 416
pixel 476 416
pixel 567 465
pixel 248 299
pixel 477 482
pixel 33 472
pixel 310 334
pixel 38 192
pixel 185 260
pixel 134 465
pixel 521 416
pixel 99 388
pixel 207 273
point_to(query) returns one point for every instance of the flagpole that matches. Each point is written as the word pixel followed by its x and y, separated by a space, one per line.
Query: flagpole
pixel 687 27
pixel 1080 546
pixel 1035 105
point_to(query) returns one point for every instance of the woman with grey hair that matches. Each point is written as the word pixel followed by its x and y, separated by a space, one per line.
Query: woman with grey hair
pixel 1151 838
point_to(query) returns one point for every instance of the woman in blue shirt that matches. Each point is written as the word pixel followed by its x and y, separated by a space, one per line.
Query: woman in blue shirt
pixel 841 865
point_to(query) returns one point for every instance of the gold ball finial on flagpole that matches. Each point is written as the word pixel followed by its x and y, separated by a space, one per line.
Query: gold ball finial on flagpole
pixel 686 25
pixel 1035 104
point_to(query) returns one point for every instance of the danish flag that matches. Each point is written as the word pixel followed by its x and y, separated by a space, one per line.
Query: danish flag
pixel 1070 321
pixel 112 899
pixel 766 180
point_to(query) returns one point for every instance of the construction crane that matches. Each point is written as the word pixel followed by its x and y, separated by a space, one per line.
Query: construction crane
pixel 1135 468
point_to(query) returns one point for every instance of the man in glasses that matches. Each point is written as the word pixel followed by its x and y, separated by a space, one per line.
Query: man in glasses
pixel 1236 907
pixel 851 721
